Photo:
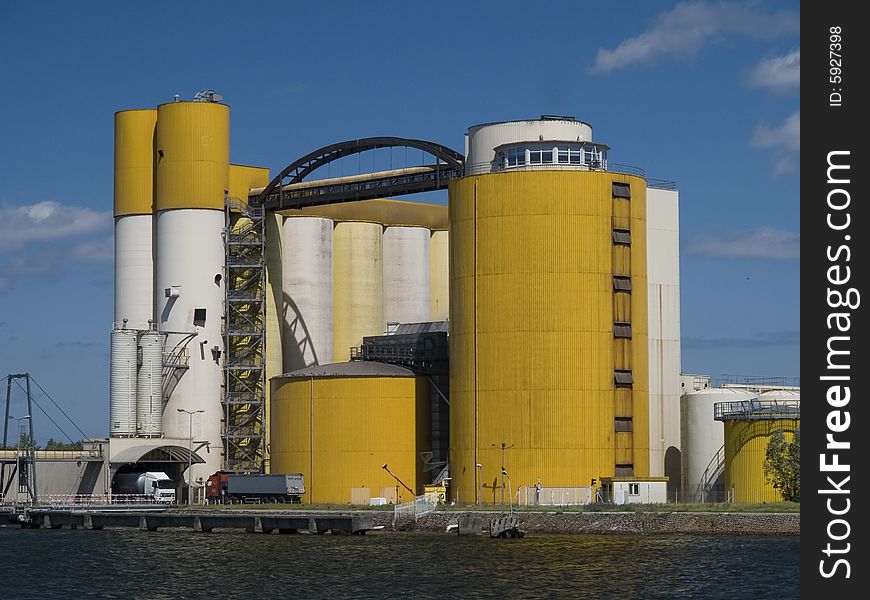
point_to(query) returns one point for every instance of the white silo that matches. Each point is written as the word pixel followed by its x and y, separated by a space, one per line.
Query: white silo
pixel 149 389
pixel 406 274
pixel 307 289
pixel 358 287
pixel 192 143
pixel 134 175
pixel 439 276
pixel 122 382
pixel 703 437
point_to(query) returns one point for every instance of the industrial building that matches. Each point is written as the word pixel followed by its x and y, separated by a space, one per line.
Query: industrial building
pixel 725 432
pixel 259 322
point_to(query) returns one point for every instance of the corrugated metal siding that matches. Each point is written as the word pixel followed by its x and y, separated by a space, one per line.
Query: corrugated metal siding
pixel 439 275
pixel 354 425
pixel 193 170
pixel 241 178
pixel 274 310
pixel 745 446
pixel 134 162
pixel 532 333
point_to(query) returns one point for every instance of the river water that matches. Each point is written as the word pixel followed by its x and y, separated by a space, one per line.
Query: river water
pixel 226 565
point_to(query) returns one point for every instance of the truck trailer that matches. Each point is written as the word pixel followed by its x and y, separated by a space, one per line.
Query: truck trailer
pixel 234 488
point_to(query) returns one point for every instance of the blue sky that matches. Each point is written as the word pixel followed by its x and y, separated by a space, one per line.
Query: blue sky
pixel 703 93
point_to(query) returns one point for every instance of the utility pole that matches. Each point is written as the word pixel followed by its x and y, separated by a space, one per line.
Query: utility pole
pixel 503 447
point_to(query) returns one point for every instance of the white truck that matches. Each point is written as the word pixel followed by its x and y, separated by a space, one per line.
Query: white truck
pixel 154 486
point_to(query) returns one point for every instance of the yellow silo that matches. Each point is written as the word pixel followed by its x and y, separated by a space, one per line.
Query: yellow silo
pixel 193 154
pixel 548 315
pixel 338 424
pixel 134 161
pixel 749 425
pixel 534 355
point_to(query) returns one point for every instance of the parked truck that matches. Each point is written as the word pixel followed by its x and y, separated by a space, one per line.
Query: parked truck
pixel 232 488
pixel 153 486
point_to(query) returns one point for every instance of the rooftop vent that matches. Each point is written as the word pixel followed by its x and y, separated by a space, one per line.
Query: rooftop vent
pixel 207 96
pixel 557 118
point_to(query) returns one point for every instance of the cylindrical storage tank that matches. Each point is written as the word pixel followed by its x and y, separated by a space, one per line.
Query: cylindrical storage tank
pixel 358 285
pixel 439 276
pixel 149 390
pixel 406 274
pixel 307 292
pixel 746 444
pixel 785 395
pixel 340 424
pixel 533 354
pixel 134 176
pixel 122 383
pixel 192 142
pixel 483 139
pixel 703 438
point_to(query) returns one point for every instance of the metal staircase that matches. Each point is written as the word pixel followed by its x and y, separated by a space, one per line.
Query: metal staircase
pixel 712 473
pixel 244 337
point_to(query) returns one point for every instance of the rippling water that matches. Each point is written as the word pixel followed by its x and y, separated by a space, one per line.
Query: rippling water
pixel 225 565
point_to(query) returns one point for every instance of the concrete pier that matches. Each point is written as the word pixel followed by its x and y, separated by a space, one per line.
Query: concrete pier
pixel 317 523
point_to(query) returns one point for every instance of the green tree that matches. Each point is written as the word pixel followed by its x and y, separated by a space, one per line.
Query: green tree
pixel 782 464
pixel 53 444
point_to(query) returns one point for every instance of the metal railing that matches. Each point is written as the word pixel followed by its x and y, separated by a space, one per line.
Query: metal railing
pixel 418 507
pixel 662 184
pixel 757 409
pixel 608 167
pixel 530 495
pixel 711 474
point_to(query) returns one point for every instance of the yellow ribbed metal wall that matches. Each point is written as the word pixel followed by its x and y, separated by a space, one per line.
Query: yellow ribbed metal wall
pixel 339 431
pixel 745 446
pixel 193 146
pixel 134 162
pixel 358 285
pixel 532 351
pixel 241 178
pixel 439 275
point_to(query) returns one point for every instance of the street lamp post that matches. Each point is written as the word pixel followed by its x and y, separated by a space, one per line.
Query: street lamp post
pixel 189 414
pixel 503 447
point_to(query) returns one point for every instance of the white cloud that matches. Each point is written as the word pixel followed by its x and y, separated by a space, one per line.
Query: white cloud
pixel 778 74
pixel 784 141
pixel 682 31
pixel 764 242
pixel 48 220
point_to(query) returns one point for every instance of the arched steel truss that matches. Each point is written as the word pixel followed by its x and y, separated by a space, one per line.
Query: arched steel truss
pixel 448 164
